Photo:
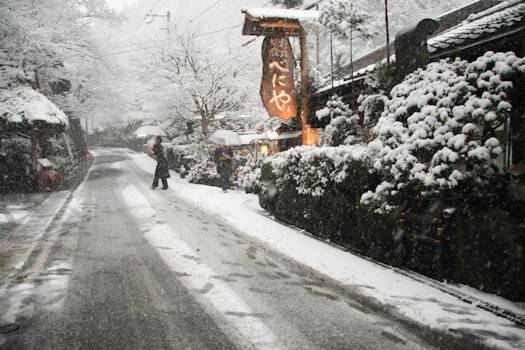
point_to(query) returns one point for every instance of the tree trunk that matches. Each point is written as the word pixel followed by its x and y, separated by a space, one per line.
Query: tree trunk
pixel 205 124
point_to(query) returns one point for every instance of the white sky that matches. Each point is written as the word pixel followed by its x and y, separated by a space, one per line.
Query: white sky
pixel 119 4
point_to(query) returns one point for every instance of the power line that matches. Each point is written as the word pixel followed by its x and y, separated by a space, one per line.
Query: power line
pixel 156 3
pixel 170 25
pixel 142 21
pixel 205 11
pixel 218 30
pixel 138 43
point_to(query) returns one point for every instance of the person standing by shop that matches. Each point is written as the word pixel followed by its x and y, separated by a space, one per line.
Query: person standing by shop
pixel 162 170
pixel 223 158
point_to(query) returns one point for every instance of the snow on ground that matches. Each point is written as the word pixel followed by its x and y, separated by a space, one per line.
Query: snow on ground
pixel 412 300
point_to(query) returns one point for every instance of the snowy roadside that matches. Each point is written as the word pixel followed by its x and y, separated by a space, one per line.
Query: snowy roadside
pixel 412 300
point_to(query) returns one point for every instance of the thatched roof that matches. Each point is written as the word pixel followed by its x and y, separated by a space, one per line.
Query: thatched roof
pixel 23 104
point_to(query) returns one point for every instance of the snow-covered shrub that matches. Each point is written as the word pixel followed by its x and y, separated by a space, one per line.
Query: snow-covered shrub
pixel 61 154
pixel 436 134
pixel 197 163
pixel 371 107
pixel 344 126
pixel 15 165
pixel 249 175
pixel 203 172
pixel 181 158
pixel 314 170
pixel 319 189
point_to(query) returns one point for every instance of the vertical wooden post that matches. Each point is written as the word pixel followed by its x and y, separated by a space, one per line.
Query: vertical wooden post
pixel 305 93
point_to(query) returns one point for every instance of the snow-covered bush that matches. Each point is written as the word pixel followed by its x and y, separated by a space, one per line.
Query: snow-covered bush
pixel 15 165
pixel 344 127
pixel 371 106
pixel 249 175
pixel 204 172
pixel 314 170
pixel 319 189
pixel 436 134
pixel 194 162
pixel 181 158
pixel 61 154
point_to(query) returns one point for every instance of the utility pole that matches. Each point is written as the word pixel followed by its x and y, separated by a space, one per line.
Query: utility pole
pixel 167 15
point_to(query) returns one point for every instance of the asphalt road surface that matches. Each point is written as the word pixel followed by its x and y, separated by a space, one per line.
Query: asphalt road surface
pixel 127 267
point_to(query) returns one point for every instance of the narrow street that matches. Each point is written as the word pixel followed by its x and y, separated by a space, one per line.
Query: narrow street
pixel 125 266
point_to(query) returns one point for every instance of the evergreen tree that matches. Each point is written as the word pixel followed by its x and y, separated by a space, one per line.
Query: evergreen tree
pixel 288 3
pixel 344 125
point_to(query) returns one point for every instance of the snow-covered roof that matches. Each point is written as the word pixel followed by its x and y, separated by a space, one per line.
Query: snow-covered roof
pixel 264 21
pixel 287 135
pixel 22 103
pixel 497 20
pixel 265 13
pixel 247 138
pixel 346 80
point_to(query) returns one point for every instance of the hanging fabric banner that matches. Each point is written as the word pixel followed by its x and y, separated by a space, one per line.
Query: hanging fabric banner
pixel 277 86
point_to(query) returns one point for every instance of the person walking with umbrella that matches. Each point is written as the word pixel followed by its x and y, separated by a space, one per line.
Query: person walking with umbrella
pixel 223 158
pixel 162 170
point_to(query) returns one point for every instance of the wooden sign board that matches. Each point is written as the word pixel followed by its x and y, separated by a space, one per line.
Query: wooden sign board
pixel 277 87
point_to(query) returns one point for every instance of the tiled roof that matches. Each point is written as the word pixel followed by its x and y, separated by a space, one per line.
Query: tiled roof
pixel 497 20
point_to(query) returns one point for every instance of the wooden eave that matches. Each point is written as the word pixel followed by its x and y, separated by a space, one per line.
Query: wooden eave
pixel 266 26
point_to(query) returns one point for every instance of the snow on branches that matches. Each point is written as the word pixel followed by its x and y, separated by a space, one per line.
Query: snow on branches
pixel 344 127
pixel 313 171
pixel 438 129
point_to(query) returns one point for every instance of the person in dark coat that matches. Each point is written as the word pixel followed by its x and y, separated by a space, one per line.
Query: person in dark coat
pixel 223 158
pixel 162 170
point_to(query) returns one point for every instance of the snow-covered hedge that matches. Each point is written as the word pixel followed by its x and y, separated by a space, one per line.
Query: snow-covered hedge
pixel 249 174
pixel 314 170
pixel 204 172
pixel 195 162
pixel 436 134
pixel 180 158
